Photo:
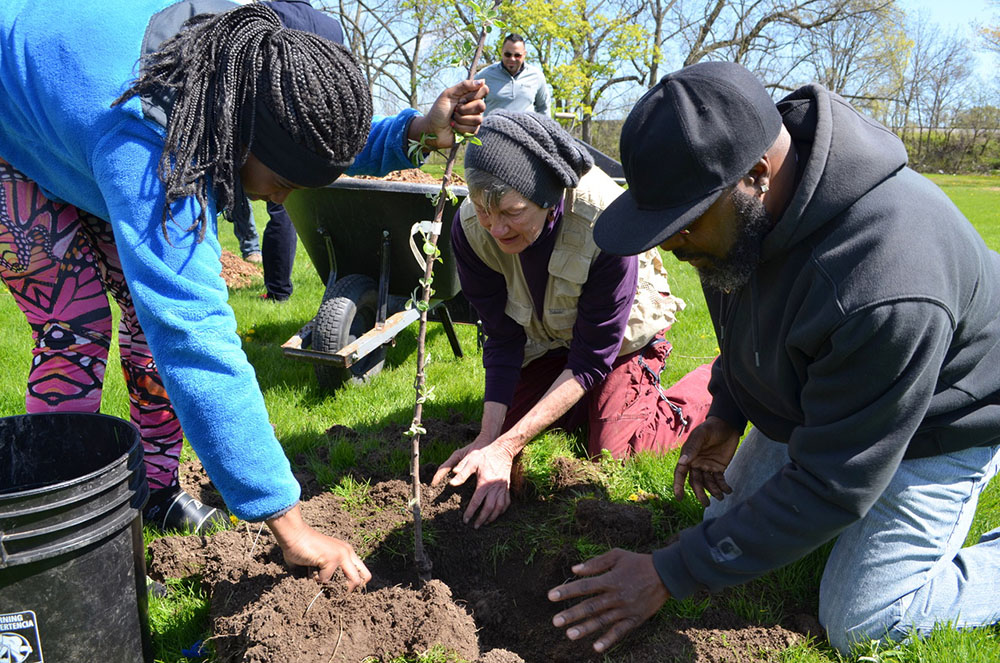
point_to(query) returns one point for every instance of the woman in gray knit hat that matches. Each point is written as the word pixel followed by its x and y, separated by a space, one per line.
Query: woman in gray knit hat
pixel 573 335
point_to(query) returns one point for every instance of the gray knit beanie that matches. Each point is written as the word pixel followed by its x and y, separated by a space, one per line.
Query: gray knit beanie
pixel 531 153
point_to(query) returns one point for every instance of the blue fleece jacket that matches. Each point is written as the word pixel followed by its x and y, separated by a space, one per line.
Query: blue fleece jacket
pixel 61 66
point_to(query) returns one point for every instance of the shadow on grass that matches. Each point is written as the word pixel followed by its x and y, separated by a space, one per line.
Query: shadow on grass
pixel 381 450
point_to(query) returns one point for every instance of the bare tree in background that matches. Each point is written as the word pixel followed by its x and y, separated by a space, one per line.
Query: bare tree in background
pixel 659 12
pixel 766 36
pixel 979 129
pixel 363 34
pixel 946 80
pixel 394 41
pixel 736 29
pixel 861 57
pixel 939 68
pixel 907 112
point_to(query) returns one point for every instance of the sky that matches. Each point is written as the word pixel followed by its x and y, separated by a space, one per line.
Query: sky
pixel 952 12
pixel 948 14
pixel 960 14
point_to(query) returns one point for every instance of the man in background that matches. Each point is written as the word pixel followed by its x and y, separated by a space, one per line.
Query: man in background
pixel 514 84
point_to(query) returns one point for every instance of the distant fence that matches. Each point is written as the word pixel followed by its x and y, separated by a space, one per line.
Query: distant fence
pixel 935 149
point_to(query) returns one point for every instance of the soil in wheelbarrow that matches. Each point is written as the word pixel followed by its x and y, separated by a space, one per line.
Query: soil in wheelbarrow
pixel 487 601
pixel 412 175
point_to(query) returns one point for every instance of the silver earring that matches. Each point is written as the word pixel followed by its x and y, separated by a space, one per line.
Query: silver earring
pixel 764 188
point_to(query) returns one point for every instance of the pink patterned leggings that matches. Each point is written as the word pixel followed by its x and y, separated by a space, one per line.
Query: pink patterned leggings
pixel 60 264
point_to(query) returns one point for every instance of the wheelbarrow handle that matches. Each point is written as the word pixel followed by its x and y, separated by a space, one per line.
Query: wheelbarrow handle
pixel 428 228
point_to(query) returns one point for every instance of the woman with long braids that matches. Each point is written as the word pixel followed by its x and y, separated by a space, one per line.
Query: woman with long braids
pixel 124 129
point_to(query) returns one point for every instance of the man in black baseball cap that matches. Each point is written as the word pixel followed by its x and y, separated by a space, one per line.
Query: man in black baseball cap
pixel 705 142
pixel 688 139
pixel 856 313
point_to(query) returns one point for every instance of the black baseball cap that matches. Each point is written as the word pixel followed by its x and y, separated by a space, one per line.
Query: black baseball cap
pixel 686 140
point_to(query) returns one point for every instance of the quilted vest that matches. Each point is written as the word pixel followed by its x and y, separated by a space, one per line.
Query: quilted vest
pixel 653 308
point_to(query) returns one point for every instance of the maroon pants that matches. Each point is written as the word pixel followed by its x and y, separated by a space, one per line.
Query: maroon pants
pixel 629 411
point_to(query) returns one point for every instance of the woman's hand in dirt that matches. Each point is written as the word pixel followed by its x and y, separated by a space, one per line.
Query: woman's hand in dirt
pixel 482 440
pixel 459 109
pixel 491 463
pixel 304 546
pixel 704 459
pixel 628 592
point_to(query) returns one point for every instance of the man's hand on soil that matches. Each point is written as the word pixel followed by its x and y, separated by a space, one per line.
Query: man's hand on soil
pixel 492 465
pixel 704 459
pixel 628 592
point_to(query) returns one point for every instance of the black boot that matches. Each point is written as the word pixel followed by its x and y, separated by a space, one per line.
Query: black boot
pixel 173 509
pixel 157 589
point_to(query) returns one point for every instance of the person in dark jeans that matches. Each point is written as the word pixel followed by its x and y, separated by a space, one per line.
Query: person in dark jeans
pixel 278 253
pixel 245 231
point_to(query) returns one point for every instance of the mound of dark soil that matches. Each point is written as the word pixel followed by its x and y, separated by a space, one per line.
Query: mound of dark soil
pixel 489 592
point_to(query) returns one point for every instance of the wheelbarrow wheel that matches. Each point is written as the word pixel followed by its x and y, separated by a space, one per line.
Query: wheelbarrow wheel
pixel 347 312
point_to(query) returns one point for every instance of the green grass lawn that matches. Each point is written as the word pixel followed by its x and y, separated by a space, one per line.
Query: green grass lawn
pixel 977 197
pixel 301 413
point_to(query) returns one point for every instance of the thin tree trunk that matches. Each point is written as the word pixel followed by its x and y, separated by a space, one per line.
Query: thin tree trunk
pixel 423 562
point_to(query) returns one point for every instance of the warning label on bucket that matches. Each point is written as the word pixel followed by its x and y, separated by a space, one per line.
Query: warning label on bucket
pixel 19 641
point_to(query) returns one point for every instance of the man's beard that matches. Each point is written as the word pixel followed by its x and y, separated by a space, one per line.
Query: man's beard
pixel 734 270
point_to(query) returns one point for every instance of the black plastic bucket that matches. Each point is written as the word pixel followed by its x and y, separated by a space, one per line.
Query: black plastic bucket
pixel 72 563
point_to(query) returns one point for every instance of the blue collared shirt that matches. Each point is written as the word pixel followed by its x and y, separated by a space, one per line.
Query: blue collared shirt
pixel 523 91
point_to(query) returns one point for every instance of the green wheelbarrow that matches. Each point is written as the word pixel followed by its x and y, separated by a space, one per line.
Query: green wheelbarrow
pixel 364 239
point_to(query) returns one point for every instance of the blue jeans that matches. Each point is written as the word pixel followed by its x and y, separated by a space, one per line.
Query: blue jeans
pixel 245 231
pixel 902 568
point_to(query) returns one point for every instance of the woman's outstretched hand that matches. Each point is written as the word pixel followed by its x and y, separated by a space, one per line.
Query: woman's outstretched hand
pixel 304 546
pixel 459 109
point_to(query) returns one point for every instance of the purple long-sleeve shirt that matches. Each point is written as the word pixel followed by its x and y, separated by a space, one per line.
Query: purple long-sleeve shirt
pixel 602 310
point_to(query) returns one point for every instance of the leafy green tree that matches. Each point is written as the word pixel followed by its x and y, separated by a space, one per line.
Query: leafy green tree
pixel 584 47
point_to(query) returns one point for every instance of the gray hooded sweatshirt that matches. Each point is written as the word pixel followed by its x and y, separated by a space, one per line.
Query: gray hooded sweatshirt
pixel 868 334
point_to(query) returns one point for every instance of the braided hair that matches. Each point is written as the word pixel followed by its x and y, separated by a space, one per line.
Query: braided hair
pixel 219 67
